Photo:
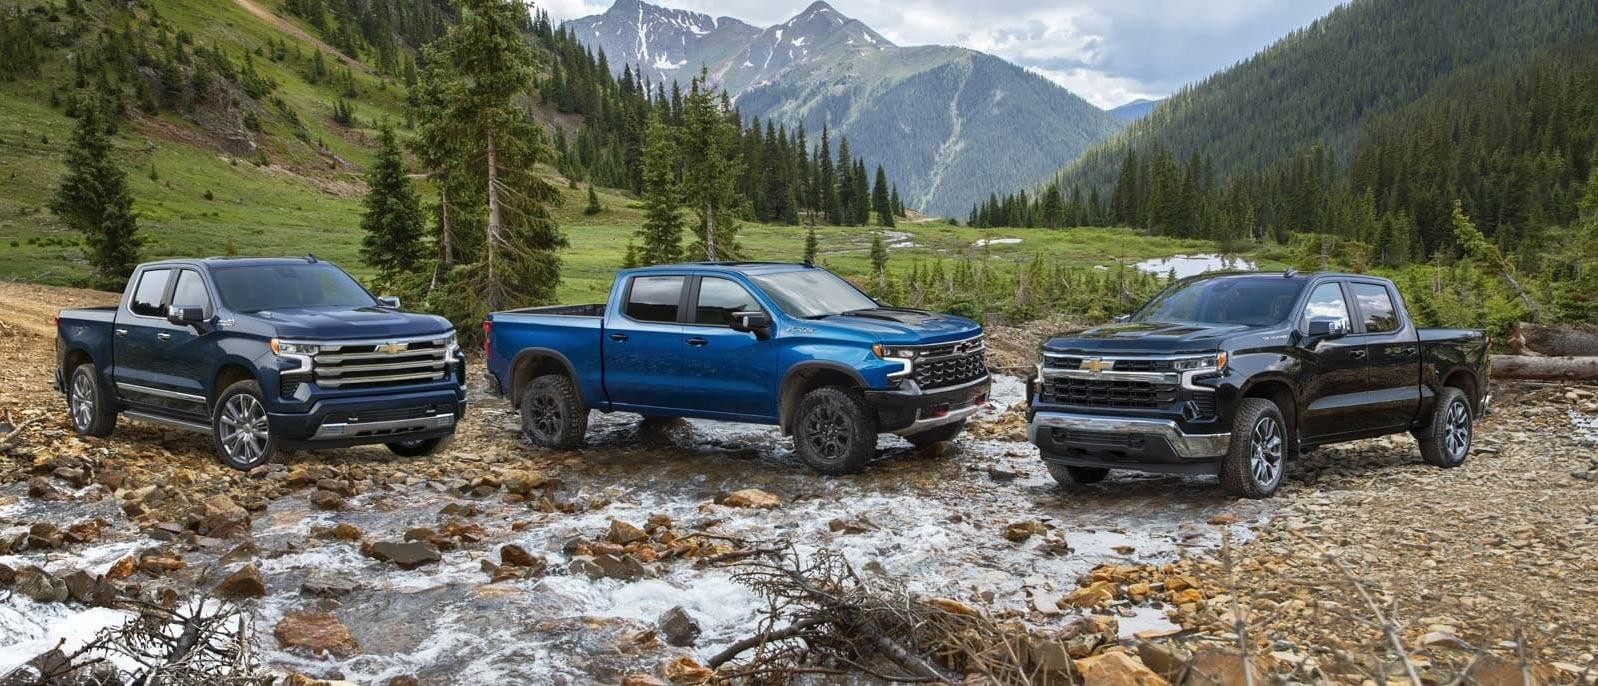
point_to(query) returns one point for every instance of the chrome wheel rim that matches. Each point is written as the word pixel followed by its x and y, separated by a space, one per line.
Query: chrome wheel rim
pixel 244 431
pixel 1265 451
pixel 1456 431
pixel 82 402
pixel 828 433
pixel 545 416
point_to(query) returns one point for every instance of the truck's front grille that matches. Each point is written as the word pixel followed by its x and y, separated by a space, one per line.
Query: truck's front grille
pixel 1110 393
pixel 951 364
pixel 368 363
pixel 1053 361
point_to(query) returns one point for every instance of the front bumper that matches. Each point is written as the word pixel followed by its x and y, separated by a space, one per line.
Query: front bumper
pixel 908 410
pixel 1144 444
pixel 363 420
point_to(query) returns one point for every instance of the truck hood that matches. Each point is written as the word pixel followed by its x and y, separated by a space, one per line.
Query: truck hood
pixel 333 323
pixel 1149 338
pixel 903 326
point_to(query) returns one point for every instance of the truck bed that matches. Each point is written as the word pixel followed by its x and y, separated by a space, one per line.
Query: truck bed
pixel 589 310
pixel 98 313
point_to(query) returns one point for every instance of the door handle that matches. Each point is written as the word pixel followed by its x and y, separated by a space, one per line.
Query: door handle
pixel 163 337
pixel 1357 354
pixel 122 332
pixel 618 337
pixel 697 342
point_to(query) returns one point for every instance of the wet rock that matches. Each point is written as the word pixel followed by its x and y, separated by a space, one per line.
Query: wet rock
pixel 685 670
pixel 327 500
pixel 1168 660
pixel 37 584
pixel 158 564
pixel 517 556
pixel 343 488
pixel 45 535
pixel 240 553
pixel 622 533
pixel 244 583
pixel 844 526
pixel 89 589
pixel 624 567
pixel 317 633
pixel 85 531
pixel 407 555
pixel 678 627
pixel 1023 530
pixel 220 517
pixel 523 482
pixel 343 531
pixel 8 575
pixel 327 584
pixel 123 568
pixel 1097 593
pixel 641 680
pixel 751 498
pixel 73 475
pixel 1116 668
pixel 40 487
pixel 403 680
pixel 1219 666
pixel 465 532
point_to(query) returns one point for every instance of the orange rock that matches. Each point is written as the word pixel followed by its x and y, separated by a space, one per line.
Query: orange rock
pixel 1117 669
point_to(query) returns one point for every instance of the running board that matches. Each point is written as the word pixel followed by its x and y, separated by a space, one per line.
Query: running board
pixel 169 422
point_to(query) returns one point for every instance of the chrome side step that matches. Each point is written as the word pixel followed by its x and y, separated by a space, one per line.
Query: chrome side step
pixel 169 422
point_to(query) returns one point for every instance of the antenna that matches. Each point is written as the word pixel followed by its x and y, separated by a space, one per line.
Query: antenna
pixel 1289 273
pixel 310 258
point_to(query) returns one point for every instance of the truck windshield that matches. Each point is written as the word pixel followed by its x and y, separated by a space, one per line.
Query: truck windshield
pixel 814 293
pixel 1235 300
pixel 258 288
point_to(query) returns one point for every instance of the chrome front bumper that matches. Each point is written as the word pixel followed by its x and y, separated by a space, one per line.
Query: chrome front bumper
pixel 396 427
pixel 1183 445
pixel 953 416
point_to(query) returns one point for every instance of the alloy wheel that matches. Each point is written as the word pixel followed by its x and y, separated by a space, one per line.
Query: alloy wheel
pixel 547 416
pixel 1265 451
pixel 244 432
pixel 827 431
pixel 82 401
pixel 1456 431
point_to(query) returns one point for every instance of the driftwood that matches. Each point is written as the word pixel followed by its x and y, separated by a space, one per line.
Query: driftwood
pixel 1545 368
pixel 1555 340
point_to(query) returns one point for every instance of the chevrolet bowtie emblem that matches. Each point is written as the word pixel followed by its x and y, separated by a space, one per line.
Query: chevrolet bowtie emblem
pixel 393 347
pixel 1097 365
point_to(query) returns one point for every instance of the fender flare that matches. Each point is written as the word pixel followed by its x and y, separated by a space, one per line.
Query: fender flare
pixel 527 356
pixel 791 376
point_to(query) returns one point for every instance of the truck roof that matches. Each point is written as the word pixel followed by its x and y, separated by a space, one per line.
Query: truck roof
pixel 232 261
pixel 746 268
pixel 1287 274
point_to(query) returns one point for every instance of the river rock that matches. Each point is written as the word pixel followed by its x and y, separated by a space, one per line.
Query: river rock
pixel 8 575
pixel 678 627
pixel 37 584
pixel 318 633
pixel 40 487
pixel 244 583
pixel 220 517
pixel 85 531
pixel 523 481
pixel 407 555
pixel 1219 666
pixel 45 535
pixel 751 498
pixel 517 556
pixel 343 531
pixel 685 670
pixel 328 584
pixel 641 680
pixel 625 567
pixel 1168 660
pixel 327 500
pixel 122 568
pixel 1116 668
pixel 89 589
pixel 622 533
pixel 1021 531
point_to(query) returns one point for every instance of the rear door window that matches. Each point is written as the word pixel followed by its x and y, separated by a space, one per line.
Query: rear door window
pixel 1376 307
pixel 654 298
pixel 146 300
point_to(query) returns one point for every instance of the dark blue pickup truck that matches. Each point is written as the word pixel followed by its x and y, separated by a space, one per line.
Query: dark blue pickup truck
pixel 768 343
pixel 266 355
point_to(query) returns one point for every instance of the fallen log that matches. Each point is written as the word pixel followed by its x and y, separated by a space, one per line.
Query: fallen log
pixel 1545 368
pixel 1554 340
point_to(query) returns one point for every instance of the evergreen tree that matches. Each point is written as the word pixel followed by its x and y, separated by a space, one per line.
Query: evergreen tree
pixel 661 234
pixel 879 260
pixel 713 168
pixel 93 199
pixel 881 201
pixel 393 219
pixel 1053 207
pixel 593 207
pixel 810 244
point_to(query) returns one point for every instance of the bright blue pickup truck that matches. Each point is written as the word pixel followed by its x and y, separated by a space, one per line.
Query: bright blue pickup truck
pixel 265 354
pixel 766 343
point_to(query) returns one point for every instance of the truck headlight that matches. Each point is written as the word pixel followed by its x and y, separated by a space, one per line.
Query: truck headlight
pixel 452 345
pixel 282 347
pixel 1187 364
pixel 904 356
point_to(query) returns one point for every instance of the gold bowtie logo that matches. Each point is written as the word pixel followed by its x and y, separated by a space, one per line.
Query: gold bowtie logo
pixel 1097 365
pixel 393 347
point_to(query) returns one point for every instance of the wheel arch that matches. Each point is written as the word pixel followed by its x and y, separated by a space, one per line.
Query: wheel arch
pixel 1277 390
pixel 808 376
pixel 532 363
pixel 227 374
pixel 1465 380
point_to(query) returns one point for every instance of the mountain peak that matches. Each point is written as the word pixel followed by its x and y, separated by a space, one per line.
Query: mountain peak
pixel 819 6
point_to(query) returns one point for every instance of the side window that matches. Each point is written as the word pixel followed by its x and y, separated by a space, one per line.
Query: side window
pixel 1327 301
pixel 147 296
pixel 654 298
pixel 718 299
pixel 1377 307
pixel 190 291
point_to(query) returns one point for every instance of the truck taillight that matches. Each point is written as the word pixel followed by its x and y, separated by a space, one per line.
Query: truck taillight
pixel 488 331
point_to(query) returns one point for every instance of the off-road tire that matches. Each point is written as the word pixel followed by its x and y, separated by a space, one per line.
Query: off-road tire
pixel 97 417
pixel 834 432
pixel 422 448
pixel 553 414
pixel 934 436
pixel 242 405
pixel 1242 475
pixel 1069 475
pixel 1452 430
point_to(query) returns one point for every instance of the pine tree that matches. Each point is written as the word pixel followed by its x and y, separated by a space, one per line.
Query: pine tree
pixel 810 244
pixel 881 201
pixel 661 234
pixel 93 199
pixel 712 169
pixel 393 219
pixel 1052 207
pixel 879 260
pixel 593 207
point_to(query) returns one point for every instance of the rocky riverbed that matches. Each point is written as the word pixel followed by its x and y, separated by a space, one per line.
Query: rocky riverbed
pixel 493 562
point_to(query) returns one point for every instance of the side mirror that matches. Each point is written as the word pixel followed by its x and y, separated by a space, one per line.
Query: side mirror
pixel 1122 319
pixel 755 322
pixel 1327 328
pixel 186 316
pixel 389 301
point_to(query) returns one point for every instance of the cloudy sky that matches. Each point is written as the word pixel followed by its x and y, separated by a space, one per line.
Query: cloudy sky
pixel 1107 51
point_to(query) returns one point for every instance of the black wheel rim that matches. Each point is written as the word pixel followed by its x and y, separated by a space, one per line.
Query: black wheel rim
pixel 81 402
pixel 826 430
pixel 243 429
pixel 1265 451
pixel 1456 431
pixel 545 416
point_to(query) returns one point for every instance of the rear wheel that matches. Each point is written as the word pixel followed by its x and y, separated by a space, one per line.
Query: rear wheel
pixel 1068 475
pixel 835 433
pixel 936 435
pixel 417 448
pixel 239 425
pixel 553 415
pixel 1452 430
pixel 87 404
pixel 1257 458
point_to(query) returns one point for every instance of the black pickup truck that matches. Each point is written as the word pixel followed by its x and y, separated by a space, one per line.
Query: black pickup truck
pixel 1235 373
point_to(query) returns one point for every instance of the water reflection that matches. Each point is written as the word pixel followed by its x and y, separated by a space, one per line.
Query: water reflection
pixel 1193 265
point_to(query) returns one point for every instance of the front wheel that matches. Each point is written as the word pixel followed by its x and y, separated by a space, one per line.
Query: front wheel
pixel 87 404
pixel 1069 476
pixel 1452 430
pixel 239 425
pixel 835 433
pixel 1257 458
pixel 936 435
pixel 553 415
pixel 418 448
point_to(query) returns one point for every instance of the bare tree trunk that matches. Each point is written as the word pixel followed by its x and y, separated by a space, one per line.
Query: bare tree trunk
pixel 1554 339
pixel 1545 368
pixel 493 222
pixel 710 232
pixel 447 235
